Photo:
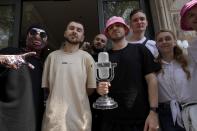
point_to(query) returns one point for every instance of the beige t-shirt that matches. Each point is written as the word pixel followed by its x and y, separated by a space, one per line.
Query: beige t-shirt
pixel 67 75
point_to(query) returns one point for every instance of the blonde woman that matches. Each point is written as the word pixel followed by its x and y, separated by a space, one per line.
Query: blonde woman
pixel 173 82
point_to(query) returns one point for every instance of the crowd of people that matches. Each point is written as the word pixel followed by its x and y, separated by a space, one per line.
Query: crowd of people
pixel 154 83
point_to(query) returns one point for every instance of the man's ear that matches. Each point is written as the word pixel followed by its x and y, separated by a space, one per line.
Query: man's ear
pixel 83 38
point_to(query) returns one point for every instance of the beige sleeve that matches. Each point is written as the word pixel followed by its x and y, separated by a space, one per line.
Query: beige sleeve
pixel 45 73
pixel 91 73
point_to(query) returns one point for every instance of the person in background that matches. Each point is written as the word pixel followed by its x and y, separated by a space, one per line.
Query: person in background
pixel 69 76
pixel 21 95
pixel 189 23
pixel 134 86
pixel 138 25
pixel 99 45
pixel 173 81
pixel 86 46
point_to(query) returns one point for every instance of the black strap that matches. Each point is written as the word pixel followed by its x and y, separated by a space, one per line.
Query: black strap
pixel 145 41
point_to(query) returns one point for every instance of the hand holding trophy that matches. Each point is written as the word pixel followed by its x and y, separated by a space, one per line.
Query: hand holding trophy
pixel 104 74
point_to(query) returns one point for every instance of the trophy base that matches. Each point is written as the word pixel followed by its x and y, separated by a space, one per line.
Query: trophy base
pixel 105 103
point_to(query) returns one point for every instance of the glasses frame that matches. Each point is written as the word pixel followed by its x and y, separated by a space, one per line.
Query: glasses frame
pixel 36 31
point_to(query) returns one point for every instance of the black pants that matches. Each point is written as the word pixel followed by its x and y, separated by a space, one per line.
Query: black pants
pixel 113 125
pixel 165 119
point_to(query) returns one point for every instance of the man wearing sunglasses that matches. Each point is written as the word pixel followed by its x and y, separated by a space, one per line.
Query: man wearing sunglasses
pixel 36 40
pixel 21 95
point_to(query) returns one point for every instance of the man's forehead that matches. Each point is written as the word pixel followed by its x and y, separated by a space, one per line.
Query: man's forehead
pixel 101 36
pixel 75 24
pixel 138 14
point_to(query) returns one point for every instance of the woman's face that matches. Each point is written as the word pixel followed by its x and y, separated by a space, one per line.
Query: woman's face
pixel 191 18
pixel 165 42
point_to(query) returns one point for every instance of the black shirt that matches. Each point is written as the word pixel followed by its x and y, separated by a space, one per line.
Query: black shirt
pixel 129 87
pixel 21 95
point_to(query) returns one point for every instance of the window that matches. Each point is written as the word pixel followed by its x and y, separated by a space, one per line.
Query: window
pixel 108 8
pixel 6 25
pixel 9 19
pixel 54 15
pixel 119 8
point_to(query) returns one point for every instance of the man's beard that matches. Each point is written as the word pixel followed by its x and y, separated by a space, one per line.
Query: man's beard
pixel 71 42
pixel 117 38
pixel 98 50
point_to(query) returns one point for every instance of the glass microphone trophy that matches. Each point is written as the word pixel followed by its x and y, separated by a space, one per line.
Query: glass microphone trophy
pixel 104 72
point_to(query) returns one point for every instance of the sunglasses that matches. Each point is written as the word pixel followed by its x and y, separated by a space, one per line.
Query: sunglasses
pixel 35 31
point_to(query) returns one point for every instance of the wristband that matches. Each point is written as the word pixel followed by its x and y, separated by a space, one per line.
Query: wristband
pixel 154 109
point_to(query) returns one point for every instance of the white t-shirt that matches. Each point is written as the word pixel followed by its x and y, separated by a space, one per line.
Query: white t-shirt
pixel 67 75
pixel 150 44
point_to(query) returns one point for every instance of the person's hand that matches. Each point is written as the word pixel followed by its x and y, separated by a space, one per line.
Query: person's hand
pixel 86 46
pixel 152 122
pixel 103 88
pixel 16 61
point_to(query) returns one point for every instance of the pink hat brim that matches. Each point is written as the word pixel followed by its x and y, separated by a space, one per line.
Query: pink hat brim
pixel 126 28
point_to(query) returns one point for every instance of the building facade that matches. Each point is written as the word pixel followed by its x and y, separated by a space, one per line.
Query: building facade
pixel 17 15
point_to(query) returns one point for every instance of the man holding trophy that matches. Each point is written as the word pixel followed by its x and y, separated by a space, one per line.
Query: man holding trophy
pixel 134 86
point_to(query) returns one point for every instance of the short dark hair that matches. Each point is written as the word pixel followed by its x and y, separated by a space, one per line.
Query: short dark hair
pixel 77 20
pixel 134 12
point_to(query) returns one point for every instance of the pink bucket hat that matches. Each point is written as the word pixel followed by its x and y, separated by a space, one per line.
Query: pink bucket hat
pixel 113 20
pixel 187 7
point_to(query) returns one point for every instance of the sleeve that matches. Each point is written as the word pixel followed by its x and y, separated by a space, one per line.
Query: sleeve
pixel 45 73
pixel 151 45
pixel 91 73
pixel 148 60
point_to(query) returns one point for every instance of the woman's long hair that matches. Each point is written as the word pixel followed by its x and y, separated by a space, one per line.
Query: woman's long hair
pixel 178 54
